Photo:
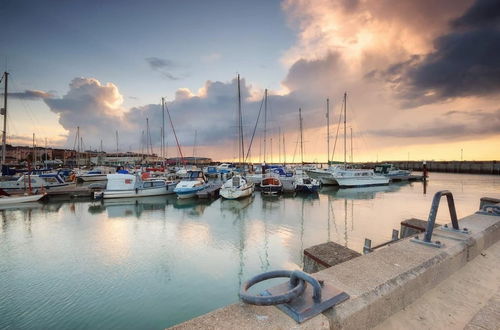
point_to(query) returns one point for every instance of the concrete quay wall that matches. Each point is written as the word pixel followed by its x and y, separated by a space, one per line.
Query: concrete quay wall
pixel 379 284
pixel 474 167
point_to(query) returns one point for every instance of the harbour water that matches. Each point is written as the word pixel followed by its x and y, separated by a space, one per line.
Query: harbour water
pixel 158 261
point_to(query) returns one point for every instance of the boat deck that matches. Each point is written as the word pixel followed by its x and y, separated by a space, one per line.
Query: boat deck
pixel 212 191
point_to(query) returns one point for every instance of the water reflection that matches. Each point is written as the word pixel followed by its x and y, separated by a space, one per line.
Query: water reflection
pixel 153 261
pixel 360 192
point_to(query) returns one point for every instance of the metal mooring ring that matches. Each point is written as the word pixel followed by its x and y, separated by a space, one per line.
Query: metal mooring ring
pixel 294 292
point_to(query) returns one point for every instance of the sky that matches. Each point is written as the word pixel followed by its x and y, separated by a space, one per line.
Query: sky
pixel 422 77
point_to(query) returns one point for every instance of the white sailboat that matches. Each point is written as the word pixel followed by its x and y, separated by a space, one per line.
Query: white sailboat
pixel 348 177
pixel 238 186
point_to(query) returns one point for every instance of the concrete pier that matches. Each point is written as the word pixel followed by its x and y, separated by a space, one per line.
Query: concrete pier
pixel 392 279
pixel 474 167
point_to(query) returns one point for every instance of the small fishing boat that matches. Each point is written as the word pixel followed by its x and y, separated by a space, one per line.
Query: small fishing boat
pixel 390 171
pixel 193 182
pixel 237 187
pixel 128 185
pixel 306 185
pixel 271 185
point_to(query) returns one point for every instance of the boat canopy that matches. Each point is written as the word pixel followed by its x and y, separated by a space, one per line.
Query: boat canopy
pixel 121 182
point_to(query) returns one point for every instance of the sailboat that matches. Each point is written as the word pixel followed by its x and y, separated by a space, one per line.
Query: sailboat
pixel 348 177
pixel 326 176
pixel 238 186
pixel 6 198
pixel 302 183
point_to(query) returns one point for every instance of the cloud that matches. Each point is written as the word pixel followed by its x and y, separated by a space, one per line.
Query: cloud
pixel 484 13
pixel 461 65
pixel 477 123
pixel 95 107
pixel 163 66
pixel 29 95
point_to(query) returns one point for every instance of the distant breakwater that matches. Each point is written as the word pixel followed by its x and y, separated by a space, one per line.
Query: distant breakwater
pixel 475 167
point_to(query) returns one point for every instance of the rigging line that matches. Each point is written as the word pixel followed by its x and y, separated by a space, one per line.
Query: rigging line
pixel 337 134
pixel 175 134
pixel 295 151
pixel 254 129
pixel 31 114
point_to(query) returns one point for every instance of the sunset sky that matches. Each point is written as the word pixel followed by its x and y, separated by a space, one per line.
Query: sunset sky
pixel 422 76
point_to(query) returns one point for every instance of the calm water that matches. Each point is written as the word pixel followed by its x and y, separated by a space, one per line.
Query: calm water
pixel 159 261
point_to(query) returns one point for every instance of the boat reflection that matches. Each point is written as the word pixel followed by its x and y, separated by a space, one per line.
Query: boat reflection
pixel 192 206
pixel 130 207
pixel 360 192
pixel 236 205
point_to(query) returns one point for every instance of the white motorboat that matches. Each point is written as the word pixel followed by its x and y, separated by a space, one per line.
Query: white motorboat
pixel 359 178
pixel 193 182
pixel 128 185
pixel 37 181
pixel 17 199
pixel 324 176
pixel 237 187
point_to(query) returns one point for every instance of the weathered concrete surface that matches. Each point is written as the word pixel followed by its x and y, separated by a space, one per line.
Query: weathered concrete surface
pixel 468 298
pixel 488 317
pixel 387 280
pixel 325 255
pixel 380 284
pixel 242 317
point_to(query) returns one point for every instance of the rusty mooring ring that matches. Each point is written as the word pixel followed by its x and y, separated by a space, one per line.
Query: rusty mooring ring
pixel 294 292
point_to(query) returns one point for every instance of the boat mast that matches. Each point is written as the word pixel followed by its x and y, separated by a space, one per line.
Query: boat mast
pixel 265 123
pixel 34 152
pixel 194 147
pixel 241 147
pixel 4 112
pixel 163 130
pixel 345 131
pixel 116 135
pixel 301 141
pixel 351 147
pixel 175 135
pixel 77 142
pixel 284 151
pixel 279 144
pixel 328 130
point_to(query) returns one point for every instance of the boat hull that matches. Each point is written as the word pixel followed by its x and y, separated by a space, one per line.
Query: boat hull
pixel 92 178
pixel 185 193
pixel 136 193
pixel 235 193
pixel 303 188
pixel 10 200
pixel 324 177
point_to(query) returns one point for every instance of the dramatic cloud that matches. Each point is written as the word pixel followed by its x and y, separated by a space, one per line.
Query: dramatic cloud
pixel 29 95
pixel 96 108
pixel 163 66
pixel 431 56
pixel 478 123
pixel 461 65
